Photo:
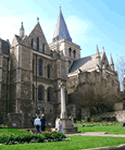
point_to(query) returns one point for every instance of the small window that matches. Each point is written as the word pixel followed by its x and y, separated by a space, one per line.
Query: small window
pixel 50 110
pixel 70 52
pixel 32 43
pixel 48 71
pixel 43 48
pixel 40 94
pixel 48 94
pixel 74 54
pixel 37 44
pixel 40 67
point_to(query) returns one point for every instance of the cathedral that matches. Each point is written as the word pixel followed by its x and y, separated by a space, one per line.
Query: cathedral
pixel 31 71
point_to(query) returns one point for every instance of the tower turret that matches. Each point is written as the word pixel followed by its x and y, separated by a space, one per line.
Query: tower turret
pixel 98 55
pixel 111 63
pixel 22 30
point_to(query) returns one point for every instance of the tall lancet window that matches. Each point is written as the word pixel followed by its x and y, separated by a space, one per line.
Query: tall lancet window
pixel 48 71
pixel 74 54
pixel 40 67
pixel 43 48
pixel 37 40
pixel 70 50
pixel 48 94
pixel 32 43
pixel 40 94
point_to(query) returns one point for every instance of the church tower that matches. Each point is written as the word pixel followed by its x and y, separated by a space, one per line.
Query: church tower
pixel 62 42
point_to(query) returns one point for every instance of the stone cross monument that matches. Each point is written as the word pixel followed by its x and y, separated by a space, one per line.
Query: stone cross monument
pixel 66 123
pixel 63 105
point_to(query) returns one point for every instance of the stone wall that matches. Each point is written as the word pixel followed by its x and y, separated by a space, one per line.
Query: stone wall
pixel 119 115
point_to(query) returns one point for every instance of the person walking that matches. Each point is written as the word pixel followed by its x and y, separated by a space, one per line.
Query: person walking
pixel 43 121
pixel 72 121
pixel 37 123
pixel 123 125
pixel 60 126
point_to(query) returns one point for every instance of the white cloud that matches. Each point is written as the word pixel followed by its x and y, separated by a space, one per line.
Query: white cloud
pixel 10 26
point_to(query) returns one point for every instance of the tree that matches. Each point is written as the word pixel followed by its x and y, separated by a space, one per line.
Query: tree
pixel 120 65
pixel 98 95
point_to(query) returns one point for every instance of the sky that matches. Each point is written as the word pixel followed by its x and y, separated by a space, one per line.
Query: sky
pixel 90 23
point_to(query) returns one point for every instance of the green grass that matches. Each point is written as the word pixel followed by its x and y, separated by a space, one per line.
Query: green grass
pixel 15 131
pixel 114 129
pixel 77 143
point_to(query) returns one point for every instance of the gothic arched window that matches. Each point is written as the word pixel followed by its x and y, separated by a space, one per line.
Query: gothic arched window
pixel 40 94
pixel 37 40
pixel 40 67
pixel 32 43
pixel 70 52
pixel 43 48
pixel 48 71
pixel 48 94
pixel 74 54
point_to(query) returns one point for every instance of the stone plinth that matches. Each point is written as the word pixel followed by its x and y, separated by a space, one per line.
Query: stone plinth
pixel 66 123
pixel 67 126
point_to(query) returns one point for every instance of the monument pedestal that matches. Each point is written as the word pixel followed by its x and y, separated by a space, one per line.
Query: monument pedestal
pixel 66 123
pixel 67 127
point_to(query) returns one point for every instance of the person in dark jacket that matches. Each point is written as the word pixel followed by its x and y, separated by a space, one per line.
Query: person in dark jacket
pixel 43 121
pixel 123 125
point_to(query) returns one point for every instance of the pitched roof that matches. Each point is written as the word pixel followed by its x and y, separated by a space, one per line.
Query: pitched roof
pixel 5 47
pixel 61 30
pixel 85 64
pixel 18 38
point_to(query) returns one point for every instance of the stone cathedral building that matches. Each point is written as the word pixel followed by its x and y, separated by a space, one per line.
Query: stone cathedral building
pixel 31 71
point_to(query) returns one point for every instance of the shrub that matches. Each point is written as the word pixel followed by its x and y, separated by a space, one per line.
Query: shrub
pixel 3 127
pixel 77 121
pixel 83 121
pixel 96 119
pixel 27 137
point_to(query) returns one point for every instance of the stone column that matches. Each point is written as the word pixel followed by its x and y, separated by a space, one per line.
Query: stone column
pixel 63 105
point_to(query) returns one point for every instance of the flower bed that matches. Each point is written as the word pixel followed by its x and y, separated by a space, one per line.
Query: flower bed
pixel 46 136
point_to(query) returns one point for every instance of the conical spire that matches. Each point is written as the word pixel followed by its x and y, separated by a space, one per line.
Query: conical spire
pixel 97 52
pixel 61 30
pixel 22 30
pixel 111 60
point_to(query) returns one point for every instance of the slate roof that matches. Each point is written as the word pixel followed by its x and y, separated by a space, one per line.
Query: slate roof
pixel 18 38
pixel 61 30
pixel 85 64
pixel 5 47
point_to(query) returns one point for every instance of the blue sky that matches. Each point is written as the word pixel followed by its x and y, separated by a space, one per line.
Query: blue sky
pixel 90 22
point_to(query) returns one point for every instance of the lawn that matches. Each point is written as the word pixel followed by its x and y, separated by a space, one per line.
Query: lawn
pixel 77 143
pixel 114 129
pixel 15 131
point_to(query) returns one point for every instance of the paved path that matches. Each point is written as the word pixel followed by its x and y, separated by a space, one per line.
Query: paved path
pixel 97 134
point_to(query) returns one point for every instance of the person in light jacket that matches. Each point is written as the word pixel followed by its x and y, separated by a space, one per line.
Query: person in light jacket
pixel 37 123
pixel 60 126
